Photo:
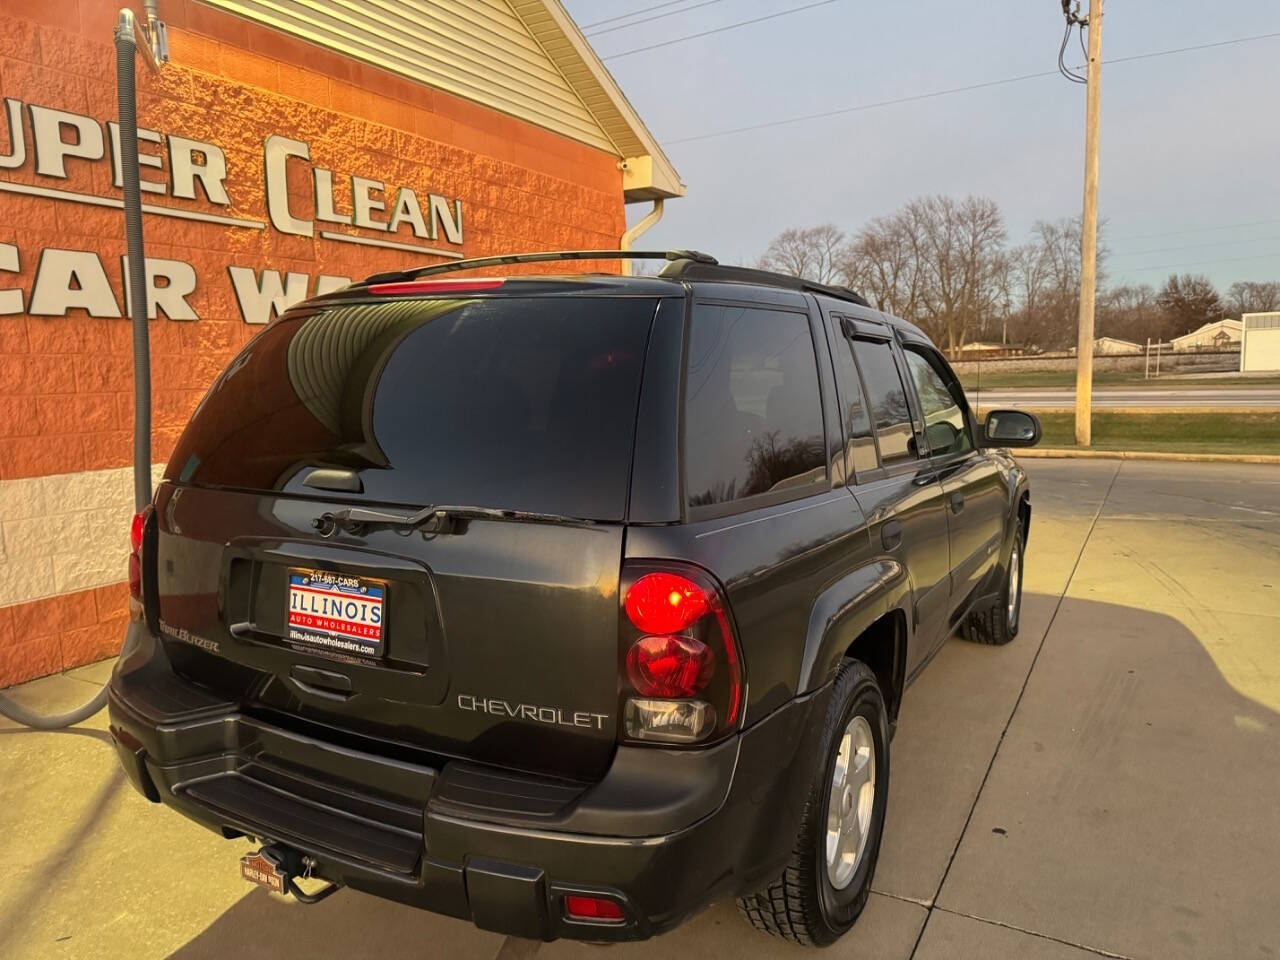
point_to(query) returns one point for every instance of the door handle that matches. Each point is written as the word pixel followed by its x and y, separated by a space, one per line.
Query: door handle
pixel 891 534
pixel 957 502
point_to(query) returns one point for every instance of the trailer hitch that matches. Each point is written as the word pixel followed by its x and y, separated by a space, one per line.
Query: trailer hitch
pixel 276 867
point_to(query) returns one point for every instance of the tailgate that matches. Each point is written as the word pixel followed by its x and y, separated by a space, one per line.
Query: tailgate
pixel 498 644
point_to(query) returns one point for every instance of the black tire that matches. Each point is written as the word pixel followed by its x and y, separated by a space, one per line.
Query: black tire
pixel 995 624
pixel 803 905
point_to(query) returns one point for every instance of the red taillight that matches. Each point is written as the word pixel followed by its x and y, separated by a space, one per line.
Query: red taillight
pixel 592 908
pixel 681 672
pixel 669 666
pixel 135 576
pixel 137 533
pixel 406 287
pixel 665 603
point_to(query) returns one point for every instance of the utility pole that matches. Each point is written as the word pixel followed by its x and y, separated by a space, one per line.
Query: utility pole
pixel 1089 233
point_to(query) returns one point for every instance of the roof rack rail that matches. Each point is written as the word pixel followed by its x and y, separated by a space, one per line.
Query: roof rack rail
pixel 545 256
pixel 690 269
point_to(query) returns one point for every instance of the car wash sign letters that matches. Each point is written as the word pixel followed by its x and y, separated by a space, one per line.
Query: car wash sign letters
pixel 192 175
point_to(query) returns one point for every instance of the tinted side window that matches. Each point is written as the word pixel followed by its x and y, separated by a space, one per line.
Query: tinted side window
pixel 753 411
pixel 860 453
pixel 944 424
pixel 888 399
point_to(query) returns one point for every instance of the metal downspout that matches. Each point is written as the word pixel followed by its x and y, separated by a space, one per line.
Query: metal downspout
pixel 629 238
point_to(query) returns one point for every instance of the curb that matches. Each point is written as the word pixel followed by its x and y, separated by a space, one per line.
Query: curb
pixel 1069 453
pixel 1146 411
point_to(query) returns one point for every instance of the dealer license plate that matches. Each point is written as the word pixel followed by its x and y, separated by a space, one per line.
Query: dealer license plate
pixel 335 612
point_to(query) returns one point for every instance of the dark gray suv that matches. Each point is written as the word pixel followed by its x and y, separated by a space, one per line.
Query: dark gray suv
pixel 566 605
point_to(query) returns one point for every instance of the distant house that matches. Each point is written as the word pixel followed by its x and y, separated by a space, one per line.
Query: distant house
pixel 1111 346
pixel 983 351
pixel 1218 335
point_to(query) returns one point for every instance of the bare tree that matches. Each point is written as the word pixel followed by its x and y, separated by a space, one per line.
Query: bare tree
pixel 1130 313
pixel 1251 296
pixel 1188 301
pixel 883 263
pixel 1058 242
pixel 960 243
pixel 1030 277
pixel 813 253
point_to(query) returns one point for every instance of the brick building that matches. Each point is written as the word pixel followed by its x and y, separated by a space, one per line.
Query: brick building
pixel 287 148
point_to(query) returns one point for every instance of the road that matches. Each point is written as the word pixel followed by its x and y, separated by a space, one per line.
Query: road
pixel 1105 785
pixel 1117 397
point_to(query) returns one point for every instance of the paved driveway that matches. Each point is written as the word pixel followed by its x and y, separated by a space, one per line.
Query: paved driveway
pixel 1108 784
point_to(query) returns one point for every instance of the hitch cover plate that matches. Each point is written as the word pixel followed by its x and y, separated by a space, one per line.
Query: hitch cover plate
pixel 264 870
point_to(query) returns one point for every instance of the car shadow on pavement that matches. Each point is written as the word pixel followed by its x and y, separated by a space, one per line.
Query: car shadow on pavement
pixel 1084 808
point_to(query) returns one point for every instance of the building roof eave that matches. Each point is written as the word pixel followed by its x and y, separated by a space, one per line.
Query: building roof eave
pixel 647 172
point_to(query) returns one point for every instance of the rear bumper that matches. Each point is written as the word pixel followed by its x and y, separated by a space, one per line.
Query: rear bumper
pixel 665 833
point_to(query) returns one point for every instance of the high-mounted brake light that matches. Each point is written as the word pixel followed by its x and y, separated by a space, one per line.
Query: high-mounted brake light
pixel 681 671
pixel 407 287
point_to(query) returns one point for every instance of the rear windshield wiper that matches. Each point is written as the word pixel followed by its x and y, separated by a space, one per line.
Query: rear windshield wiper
pixel 432 519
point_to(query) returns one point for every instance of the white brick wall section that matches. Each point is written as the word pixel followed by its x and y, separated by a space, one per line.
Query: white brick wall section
pixel 64 533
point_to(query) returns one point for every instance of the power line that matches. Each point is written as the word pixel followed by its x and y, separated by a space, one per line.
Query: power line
pixel 633 13
pixel 1176 233
pixel 1073 20
pixel 863 106
pixel 1195 246
pixel 952 90
pixel 659 16
pixel 728 26
pixel 1199 263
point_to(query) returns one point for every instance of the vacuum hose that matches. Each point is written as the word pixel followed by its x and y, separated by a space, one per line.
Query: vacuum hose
pixel 126 50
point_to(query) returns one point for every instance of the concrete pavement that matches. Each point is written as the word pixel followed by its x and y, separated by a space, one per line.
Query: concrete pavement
pixel 1105 785
pixel 1111 398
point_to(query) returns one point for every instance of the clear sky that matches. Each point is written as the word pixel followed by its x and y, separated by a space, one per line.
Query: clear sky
pixel 1190 168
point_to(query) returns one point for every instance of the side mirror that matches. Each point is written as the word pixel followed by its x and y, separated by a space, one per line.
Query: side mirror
pixel 1010 428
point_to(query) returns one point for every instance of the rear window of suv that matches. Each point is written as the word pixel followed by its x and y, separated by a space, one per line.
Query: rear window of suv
pixel 522 404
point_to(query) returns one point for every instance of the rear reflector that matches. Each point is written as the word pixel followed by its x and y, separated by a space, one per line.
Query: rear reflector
pixel 592 908
pixel 135 576
pixel 434 286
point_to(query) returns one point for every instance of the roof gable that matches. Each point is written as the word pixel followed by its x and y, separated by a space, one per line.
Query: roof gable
pixel 525 58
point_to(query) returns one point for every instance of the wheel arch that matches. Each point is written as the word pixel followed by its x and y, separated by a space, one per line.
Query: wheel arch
pixel 863 615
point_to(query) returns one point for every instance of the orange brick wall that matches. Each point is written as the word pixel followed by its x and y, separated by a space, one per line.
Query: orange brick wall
pixel 65 382
pixel 44 636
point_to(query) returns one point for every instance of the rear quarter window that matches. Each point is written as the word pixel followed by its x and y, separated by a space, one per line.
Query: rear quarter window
pixel 753 410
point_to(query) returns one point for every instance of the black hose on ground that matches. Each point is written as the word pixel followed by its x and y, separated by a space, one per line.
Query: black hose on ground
pixel 126 90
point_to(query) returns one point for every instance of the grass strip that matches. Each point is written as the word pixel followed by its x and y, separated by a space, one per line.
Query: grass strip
pixel 1208 432
pixel 997 380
